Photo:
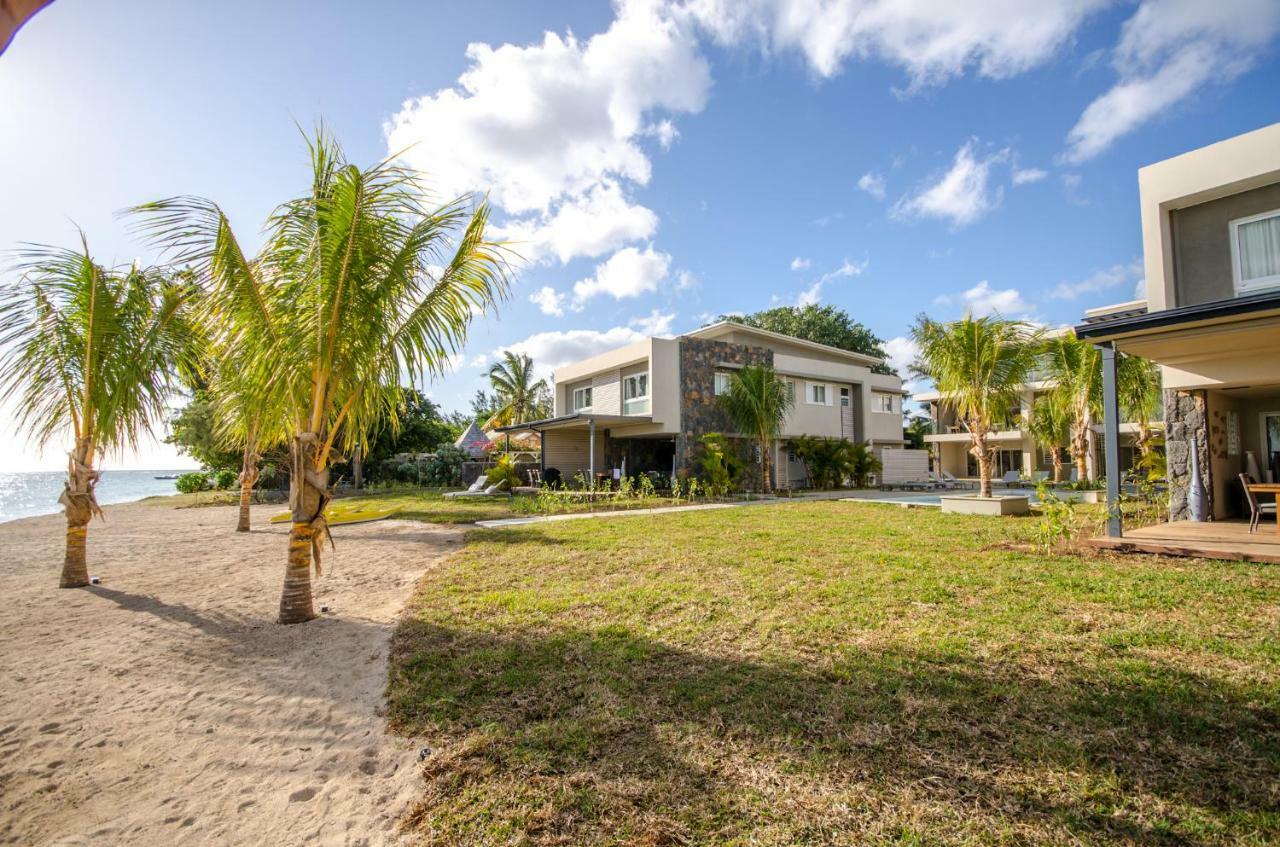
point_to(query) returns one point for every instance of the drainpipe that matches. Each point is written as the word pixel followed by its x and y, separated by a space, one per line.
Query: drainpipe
pixel 1111 430
pixel 591 449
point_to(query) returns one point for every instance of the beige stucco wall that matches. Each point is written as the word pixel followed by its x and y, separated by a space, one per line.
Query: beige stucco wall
pixel 1237 164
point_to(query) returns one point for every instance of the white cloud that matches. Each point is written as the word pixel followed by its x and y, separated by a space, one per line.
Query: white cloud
pixel 932 40
pixel 982 300
pixel 900 352
pixel 1168 49
pixel 550 350
pixel 873 184
pixel 655 323
pixel 1026 176
pixel 590 224
pixel 1100 281
pixel 559 123
pixel 800 263
pixel 813 294
pixel 629 272
pixel 961 195
pixel 548 300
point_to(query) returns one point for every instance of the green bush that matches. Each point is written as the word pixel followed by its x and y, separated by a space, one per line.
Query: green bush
pixel 407 472
pixel 721 467
pixel 190 483
pixel 504 471
pixel 225 480
pixel 445 467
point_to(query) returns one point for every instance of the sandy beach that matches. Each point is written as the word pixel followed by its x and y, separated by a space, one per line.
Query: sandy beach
pixel 166 707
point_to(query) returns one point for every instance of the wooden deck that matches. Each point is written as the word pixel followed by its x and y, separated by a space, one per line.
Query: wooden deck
pixel 1212 540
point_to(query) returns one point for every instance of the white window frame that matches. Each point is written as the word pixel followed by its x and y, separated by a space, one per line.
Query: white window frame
pixel 875 405
pixel 580 392
pixel 1261 283
pixel 846 397
pixel 810 396
pixel 720 383
pixel 639 404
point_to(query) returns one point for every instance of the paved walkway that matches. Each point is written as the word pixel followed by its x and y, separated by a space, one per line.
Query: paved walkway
pixel 621 513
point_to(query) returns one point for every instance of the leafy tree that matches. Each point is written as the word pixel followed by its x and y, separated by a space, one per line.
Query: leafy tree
pixel 483 407
pixel 918 426
pixel 977 366
pixel 821 324
pixel 191 431
pixel 357 283
pixel 757 403
pixel 1139 388
pixel 1050 426
pixel 517 392
pixel 1075 367
pixel 721 467
pixel 419 429
pixel 863 463
pixel 93 352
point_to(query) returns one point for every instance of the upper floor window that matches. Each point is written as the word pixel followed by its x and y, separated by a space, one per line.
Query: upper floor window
pixel 635 394
pixel 722 383
pixel 818 394
pixel 1255 252
pixel 882 401
pixel 582 399
pixel 844 395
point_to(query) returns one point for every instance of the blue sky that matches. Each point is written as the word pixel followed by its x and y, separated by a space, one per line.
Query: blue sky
pixel 661 162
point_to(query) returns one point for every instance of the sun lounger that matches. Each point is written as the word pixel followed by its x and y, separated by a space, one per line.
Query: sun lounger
pixel 1011 478
pixel 957 483
pixel 940 482
pixel 478 489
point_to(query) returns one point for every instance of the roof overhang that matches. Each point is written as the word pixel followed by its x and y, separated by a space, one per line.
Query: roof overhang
pixel 715 330
pixel 1192 333
pixel 577 419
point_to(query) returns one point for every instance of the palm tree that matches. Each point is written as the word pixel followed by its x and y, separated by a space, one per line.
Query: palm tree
pixel 977 366
pixel 1139 387
pixel 1075 367
pixel 1050 426
pixel 518 393
pixel 241 421
pixel 92 352
pixel 757 403
pixel 358 284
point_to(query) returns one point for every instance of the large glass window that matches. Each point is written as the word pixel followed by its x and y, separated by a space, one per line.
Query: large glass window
pixel 1255 251
pixel 635 394
pixel 883 401
pixel 582 399
pixel 722 383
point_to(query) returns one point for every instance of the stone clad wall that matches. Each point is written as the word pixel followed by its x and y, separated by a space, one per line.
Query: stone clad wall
pixel 1186 417
pixel 699 412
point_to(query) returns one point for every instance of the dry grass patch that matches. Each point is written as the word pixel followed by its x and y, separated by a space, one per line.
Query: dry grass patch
pixel 832 673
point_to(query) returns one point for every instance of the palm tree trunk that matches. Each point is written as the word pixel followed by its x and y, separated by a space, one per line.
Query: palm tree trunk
pixel 248 478
pixel 984 462
pixel 80 506
pixel 1057 463
pixel 308 496
pixel 766 484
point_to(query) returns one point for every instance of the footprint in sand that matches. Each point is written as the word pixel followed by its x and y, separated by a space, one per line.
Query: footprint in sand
pixel 302 795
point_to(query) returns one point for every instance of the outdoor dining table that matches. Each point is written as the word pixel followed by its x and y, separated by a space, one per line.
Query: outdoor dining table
pixel 1268 488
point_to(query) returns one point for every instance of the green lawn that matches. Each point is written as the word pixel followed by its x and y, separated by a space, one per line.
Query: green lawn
pixel 833 673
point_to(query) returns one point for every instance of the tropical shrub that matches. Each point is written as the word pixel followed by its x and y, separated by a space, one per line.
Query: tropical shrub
pixel 225 479
pixel 504 470
pixel 721 467
pixel 863 463
pixel 190 483
pixel 828 461
pixel 407 472
pixel 445 467
pixel 1057 519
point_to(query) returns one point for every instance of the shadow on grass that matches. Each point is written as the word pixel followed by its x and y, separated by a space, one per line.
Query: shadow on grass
pixel 585 737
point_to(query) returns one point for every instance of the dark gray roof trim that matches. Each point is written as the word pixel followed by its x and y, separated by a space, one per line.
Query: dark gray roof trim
pixel 1124 324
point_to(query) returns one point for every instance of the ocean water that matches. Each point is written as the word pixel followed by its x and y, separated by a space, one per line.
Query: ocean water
pixel 23 495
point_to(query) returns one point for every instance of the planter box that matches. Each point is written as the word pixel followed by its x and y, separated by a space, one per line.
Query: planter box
pixel 971 504
pixel 1085 496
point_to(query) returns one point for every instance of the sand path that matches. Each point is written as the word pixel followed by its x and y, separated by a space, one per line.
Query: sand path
pixel 166 707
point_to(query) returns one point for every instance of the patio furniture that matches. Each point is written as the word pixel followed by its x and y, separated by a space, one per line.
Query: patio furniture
pixel 1011 478
pixel 941 482
pixel 955 481
pixel 495 490
pixel 1256 509
pixel 535 477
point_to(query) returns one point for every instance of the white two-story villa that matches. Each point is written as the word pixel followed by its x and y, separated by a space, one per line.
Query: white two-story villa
pixel 646 405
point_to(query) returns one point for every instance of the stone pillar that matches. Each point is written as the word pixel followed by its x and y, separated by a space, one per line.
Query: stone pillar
pixel 1186 417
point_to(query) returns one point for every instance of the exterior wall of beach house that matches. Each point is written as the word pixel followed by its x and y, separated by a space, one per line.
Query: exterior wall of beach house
pixel 1211 317
pixel 646 406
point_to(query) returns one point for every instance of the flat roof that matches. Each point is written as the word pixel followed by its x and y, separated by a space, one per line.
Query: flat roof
pixel 1128 324
pixel 573 419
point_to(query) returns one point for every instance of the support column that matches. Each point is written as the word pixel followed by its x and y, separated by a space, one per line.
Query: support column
pixel 1111 430
pixel 591 449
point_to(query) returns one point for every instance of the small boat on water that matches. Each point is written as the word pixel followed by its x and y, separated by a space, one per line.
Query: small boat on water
pixel 168 476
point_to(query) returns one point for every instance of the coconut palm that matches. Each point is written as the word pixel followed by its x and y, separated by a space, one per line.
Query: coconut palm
pixel 91 352
pixel 977 366
pixel 358 284
pixel 1050 426
pixel 757 404
pixel 1139 388
pixel 1075 368
pixel 518 392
